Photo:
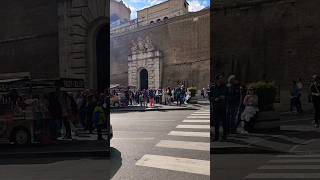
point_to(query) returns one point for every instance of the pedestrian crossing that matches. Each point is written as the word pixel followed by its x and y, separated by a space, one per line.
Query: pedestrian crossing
pixel 289 167
pixel 195 126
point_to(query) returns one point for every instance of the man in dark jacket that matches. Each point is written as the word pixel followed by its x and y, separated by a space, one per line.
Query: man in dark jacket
pixel 234 96
pixel 219 101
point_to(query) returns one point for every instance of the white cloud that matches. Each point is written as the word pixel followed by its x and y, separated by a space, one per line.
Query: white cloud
pixel 154 2
pixel 196 5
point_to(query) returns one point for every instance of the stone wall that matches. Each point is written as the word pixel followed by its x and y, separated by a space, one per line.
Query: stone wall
pixel 184 42
pixel 29 38
pixel 278 39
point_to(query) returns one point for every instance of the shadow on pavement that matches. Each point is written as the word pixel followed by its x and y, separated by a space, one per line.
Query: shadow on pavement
pixel 274 141
pixel 114 162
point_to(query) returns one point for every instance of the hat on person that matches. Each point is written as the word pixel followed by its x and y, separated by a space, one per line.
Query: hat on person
pixel 231 77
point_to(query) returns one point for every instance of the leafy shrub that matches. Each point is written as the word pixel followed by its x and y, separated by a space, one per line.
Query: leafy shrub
pixel 266 92
pixel 193 91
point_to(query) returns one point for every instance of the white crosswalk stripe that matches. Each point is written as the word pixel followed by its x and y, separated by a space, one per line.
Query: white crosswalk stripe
pixel 198 117
pixel 200 114
pixel 197 120
pixel 183 126
pixel 184 145
pixel 190 134
pixel 176 164
pixel 286 167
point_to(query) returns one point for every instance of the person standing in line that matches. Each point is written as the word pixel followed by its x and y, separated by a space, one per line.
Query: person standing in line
pixel 168 96
pixel 315 95
pixel 160 93
pixel 145 98
pixel 157 96
pixel 173 92
pixel 89 111
pixel 300 88
pixel 151 98
pixel 202 93
pixel 99 119
pixel 234 96
pixel 219 96
pixel 66 113
pixel 141 99
pixel 208 91
pixel 182 95
pixel 294 102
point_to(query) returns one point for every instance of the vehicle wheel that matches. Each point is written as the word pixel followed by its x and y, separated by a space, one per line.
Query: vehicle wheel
pixel 21 137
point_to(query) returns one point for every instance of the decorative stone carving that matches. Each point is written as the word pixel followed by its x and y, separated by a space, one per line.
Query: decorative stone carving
pixel 141 46
pixel 134 47
pixel 148 44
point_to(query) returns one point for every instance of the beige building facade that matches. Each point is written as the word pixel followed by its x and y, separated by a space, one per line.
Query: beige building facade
pixel 119 12
pixel 163 11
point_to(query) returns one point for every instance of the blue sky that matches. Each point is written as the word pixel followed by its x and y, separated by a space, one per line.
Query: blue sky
pixel 135 5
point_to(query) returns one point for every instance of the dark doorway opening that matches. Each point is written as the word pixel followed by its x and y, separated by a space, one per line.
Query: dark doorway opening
pixel 103 68
pixel 144 79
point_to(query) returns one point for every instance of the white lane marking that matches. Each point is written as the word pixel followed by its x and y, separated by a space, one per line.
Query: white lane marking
pixel 196 121
pixel 198 117
pixel 295 161
pixel 201 113
pixel 142 120
pixel 133 138
pixel 197 114
pixel 190 134
pixel 175 164
pixel 201 146
pixel 300 156
pixel 295 167
pixel 284 176
pixel 193 126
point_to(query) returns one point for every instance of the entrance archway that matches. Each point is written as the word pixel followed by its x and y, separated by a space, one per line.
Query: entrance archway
pixel 102 58
pixel 144 79
pixel 98 54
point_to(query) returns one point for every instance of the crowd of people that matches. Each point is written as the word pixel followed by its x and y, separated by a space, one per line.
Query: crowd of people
pixel 149 97
pixel 234 106
pixel 58 113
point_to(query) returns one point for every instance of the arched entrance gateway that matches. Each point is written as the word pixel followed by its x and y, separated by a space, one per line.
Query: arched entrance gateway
pixel 144 81
pixel 98 54
pixel 84 41
pixel 144 64
pixel 102 58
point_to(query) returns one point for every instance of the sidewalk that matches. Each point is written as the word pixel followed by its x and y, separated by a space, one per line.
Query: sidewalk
pixel 275 132
pixel 161 107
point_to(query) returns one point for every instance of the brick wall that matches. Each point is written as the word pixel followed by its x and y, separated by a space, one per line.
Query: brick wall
pixel 184 42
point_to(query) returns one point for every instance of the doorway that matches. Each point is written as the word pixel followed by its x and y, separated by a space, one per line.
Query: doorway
pixel 144 79
pixel 102 55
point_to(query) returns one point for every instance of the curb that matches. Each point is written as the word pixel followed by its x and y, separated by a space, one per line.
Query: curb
pixel 94 153
pixel 156 109
pixel 244 150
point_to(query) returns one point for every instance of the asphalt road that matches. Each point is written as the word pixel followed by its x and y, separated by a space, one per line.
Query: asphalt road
pixel 300 159
pixel 148 152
